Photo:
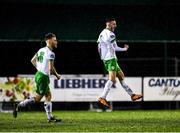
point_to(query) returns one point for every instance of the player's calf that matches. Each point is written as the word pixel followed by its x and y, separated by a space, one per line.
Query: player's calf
pixel 24 103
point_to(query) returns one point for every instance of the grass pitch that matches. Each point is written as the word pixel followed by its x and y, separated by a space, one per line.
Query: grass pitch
pixel 82 121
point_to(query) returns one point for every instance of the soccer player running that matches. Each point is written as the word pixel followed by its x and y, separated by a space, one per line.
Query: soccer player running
pixel 107 48
pixel 43 61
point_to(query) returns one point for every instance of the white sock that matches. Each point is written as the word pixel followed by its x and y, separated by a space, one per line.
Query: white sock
pixel 107 88
pixel 126 87
pixel 48 109
pixel 27 101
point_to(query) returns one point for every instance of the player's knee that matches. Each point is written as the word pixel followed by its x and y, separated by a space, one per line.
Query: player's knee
pixel 37 100
pixel 113 80
pixel 48 98
pixel 121 78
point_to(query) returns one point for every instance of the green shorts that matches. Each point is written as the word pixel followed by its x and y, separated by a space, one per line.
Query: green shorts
pixel 42 83
pixel 112 65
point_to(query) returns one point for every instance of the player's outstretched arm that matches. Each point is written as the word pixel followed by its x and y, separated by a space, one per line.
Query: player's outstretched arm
pixel 33 60
pixel 121 49
pixel 53 70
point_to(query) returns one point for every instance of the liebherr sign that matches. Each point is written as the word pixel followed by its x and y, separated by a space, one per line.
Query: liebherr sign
pixel 89 87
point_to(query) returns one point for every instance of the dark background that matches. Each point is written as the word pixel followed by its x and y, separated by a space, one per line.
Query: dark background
pixel 85 21
pixel 150 27
pixel 83 58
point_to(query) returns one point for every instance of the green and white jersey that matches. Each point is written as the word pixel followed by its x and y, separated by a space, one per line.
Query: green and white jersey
pixel 107 45
pixel 43 56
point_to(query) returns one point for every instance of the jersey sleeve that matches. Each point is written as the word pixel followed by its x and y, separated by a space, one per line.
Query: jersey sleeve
pixel 104 37
pixel 117 48
pixel 51 56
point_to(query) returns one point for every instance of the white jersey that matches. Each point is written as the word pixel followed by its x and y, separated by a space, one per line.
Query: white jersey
pixel 43 56
pixel 107 45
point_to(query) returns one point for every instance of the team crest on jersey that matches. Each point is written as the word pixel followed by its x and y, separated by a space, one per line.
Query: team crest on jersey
pixel 112 67
pixel 52 56
pixel 112 36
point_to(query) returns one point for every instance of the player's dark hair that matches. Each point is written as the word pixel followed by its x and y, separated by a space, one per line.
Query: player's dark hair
pixel 49 36
pixel 110 19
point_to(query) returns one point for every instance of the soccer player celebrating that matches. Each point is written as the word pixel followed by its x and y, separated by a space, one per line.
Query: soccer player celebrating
pixel 107 48
pixel 43 61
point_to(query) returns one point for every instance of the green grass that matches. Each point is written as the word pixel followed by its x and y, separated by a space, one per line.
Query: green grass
pixel 124 121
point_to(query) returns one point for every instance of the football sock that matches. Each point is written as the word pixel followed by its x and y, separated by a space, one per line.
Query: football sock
pixel 107 88
pixel 27 101
pixel 126 87
pixel 48 109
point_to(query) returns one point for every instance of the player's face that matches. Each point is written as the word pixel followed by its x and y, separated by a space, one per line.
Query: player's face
pixel 112 25
pixel 53 42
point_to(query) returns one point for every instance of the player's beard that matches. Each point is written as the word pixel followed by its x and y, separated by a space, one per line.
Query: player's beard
pixel 54 46
pixel 113 29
